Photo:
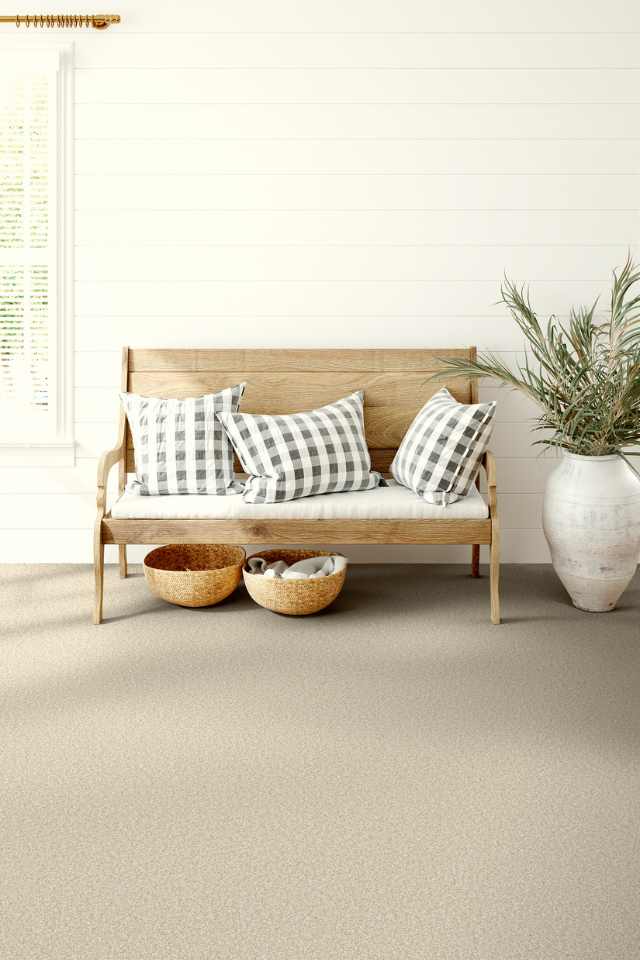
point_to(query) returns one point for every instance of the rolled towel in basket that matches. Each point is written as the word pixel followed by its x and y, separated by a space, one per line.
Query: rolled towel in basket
pixel 276 570
pixel 314 567
pixel 260 565
pixel 307 569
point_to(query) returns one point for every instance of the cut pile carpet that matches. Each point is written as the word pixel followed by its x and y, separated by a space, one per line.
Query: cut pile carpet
pixel 395 778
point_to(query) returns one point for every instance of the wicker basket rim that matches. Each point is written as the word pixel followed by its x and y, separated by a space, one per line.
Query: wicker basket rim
pixel 235 556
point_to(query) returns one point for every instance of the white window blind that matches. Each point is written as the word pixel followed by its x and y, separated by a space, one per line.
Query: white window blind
pixel 33 404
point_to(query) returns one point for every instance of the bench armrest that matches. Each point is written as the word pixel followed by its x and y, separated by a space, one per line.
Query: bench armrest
pixel 489 463
pixel 108 460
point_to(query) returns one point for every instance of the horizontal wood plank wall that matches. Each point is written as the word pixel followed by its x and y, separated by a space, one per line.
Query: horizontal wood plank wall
pixel 301 174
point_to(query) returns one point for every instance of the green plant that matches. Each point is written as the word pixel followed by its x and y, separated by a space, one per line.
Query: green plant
pixel 583 374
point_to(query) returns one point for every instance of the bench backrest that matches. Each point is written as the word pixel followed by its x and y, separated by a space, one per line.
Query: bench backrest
pixel 396 383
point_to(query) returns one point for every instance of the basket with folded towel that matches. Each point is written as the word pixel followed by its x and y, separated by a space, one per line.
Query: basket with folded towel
pixel 295 582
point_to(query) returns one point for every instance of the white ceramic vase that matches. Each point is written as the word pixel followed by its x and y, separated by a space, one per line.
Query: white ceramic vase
pixel 591 519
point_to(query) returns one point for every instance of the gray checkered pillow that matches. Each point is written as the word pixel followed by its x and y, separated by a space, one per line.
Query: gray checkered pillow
pixel 440 453
pixel 301 454
pixel 179 445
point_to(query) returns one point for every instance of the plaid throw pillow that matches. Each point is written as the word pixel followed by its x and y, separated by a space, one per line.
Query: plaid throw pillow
pixel 440 453
pixel 301 454
pixel 179 445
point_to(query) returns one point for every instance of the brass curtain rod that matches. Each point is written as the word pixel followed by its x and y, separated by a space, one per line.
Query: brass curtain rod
pixel 99 21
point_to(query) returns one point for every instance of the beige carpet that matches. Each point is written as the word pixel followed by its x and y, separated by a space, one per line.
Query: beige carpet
pixel 394 779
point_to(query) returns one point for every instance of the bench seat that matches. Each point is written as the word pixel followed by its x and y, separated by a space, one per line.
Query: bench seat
pixel 393 502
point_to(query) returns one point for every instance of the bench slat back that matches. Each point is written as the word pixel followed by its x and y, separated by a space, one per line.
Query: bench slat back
pixel 396 383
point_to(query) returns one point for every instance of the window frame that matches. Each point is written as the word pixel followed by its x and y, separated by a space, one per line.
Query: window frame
pixel 58 449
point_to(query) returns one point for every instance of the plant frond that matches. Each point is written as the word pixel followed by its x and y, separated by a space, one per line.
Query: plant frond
pixel 584 374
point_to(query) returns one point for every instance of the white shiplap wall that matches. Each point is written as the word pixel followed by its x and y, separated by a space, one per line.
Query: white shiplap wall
pixel 337 174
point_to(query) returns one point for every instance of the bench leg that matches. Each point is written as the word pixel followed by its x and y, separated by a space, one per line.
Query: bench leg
pixel 122 555
pixel 98 569
pixel 475 560
pixel 494 572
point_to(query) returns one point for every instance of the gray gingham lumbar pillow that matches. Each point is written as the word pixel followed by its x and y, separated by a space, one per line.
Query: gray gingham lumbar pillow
pixel 440 453
pixel 179 445
pixel 301 454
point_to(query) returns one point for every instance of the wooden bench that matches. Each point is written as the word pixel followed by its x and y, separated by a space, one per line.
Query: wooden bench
pixel 396 383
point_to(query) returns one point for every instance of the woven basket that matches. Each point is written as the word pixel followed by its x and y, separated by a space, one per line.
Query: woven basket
pixel 295 597
pixel 194 574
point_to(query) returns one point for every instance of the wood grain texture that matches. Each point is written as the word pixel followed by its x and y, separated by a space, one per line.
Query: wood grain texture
pixel 475 548
pixel 494 571
pixel 98 569
pixel 489 464
pixel 288 392
pixel 400 361
pixel 122 465
pixel 296 531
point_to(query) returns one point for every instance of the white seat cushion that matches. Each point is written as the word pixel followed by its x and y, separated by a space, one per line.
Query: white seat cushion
pixel 382 503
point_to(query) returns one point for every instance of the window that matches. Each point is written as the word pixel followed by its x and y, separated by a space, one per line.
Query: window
pixel 35 255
